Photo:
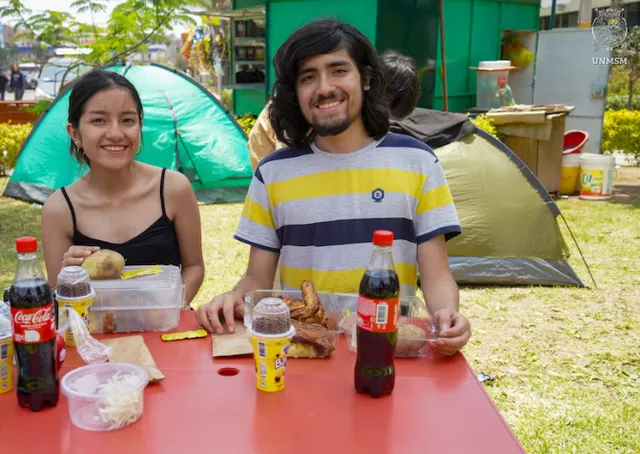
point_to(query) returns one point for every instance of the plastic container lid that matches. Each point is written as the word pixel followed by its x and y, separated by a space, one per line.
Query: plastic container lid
pixel 495 65
pixel 593 158
pixel 26 244
pixel 168 279
pixel 88 382
pixel 73 282
pixel 271 316
pixel 382 238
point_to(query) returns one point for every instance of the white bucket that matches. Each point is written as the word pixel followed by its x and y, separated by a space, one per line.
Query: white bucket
pixel 570 181
pixel 596 176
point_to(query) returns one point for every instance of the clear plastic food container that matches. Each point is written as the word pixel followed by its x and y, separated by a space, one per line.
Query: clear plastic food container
pixel 105 396
pixel 415 327
pixel 329 308
pixel 143 303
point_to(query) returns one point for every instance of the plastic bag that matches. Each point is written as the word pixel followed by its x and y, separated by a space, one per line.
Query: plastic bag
pixel 519 55
pixel 89 349
pixel 5 320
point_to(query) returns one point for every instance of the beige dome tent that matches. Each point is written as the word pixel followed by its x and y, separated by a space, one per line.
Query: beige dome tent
pixel 510 234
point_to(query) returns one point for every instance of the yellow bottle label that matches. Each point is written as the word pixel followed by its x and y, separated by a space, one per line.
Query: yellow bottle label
pixel 155 269
pixel 6 369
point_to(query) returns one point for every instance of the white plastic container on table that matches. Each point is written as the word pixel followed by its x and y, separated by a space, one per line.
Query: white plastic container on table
pixel 488 75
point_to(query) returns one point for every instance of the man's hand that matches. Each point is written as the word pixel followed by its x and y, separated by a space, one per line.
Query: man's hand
pixel 231 305
pixel 455 332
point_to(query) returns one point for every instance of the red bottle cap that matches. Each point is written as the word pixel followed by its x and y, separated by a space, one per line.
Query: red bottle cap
pixel 383 238
pixel 26 244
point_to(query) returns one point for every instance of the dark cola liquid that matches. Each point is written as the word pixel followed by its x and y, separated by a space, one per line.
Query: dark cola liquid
pixel 38 383
pixel 375 373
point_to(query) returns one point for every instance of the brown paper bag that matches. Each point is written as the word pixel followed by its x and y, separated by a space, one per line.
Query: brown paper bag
pixel 234 344
pixel 133 350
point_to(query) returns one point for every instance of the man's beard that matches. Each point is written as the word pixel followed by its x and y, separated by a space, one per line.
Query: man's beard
pixel 332 128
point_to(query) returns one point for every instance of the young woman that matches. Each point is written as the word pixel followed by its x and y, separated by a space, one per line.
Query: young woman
pixel 147 214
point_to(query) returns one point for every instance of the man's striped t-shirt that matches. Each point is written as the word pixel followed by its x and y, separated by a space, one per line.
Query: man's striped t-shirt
pixel 319 210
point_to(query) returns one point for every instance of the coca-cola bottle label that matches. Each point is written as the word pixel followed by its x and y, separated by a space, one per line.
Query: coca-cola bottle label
pixel 378 316
pixel 32 326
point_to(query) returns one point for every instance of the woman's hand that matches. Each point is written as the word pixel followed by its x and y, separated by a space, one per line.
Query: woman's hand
pixel 76 255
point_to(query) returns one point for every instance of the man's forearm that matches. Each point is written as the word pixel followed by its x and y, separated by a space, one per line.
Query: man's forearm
pixel 440 294
pixel 251 282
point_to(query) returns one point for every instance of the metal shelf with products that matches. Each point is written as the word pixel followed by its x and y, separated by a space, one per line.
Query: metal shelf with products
pixel 249 52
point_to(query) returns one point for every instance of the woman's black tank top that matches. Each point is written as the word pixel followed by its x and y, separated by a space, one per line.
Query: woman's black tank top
pixel 157 245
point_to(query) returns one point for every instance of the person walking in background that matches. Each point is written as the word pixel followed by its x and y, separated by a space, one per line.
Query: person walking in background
pixel 18 82
pixel 3 84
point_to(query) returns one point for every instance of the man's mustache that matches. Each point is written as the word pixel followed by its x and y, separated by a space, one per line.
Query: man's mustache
pixel 332 97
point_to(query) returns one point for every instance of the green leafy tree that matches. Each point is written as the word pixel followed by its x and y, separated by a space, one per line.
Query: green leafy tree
pixel 53 28
pixel 132 25
pixel 92 7
pixel 630 49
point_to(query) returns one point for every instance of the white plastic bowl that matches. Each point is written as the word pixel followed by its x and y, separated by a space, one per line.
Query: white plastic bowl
pixel 92 407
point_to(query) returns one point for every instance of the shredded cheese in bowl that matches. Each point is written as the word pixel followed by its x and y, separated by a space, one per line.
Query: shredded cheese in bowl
pixel 120 410
pixel 105 396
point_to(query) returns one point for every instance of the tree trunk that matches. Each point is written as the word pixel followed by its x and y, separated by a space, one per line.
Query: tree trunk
pixel 630 86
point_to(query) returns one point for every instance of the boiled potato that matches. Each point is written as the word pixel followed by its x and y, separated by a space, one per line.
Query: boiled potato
pixel 103 264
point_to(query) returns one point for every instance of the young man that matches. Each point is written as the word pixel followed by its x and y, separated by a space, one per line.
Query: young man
pixel 315 204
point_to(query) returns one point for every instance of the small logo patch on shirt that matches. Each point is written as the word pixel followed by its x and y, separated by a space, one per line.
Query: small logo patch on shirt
pixel 377 195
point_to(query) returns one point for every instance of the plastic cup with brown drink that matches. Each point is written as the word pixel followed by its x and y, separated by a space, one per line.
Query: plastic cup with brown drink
pixel 74 291
pixel 271 333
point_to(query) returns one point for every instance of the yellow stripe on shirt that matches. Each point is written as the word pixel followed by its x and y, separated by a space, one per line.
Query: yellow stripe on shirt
pixel 255 212
pixel 344 281
pixel 435 198
pixel 346 181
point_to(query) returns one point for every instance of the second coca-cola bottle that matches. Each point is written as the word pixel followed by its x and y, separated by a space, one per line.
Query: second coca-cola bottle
pixel 378 313
pixel 34 330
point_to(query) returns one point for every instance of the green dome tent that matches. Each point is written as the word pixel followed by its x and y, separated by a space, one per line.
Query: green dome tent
pixel 185 129
pixel 510 234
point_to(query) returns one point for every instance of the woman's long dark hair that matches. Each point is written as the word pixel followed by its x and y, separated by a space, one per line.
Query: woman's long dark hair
pixel 321 37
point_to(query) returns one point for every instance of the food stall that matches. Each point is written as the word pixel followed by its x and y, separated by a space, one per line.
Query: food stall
pixel 252 31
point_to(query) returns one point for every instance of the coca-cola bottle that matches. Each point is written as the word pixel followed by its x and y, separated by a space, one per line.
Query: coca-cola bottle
pixel 378 313
pixel 34 330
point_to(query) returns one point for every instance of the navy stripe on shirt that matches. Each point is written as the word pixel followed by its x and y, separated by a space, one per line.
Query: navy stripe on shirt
pixel 404 141
pixel 347 231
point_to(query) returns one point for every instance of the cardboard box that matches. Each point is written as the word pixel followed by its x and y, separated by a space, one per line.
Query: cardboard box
pixel 539 145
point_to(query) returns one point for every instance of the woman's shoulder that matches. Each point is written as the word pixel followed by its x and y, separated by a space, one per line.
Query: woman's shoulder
pixel 55 202
pixel 176 182
pixel 56 209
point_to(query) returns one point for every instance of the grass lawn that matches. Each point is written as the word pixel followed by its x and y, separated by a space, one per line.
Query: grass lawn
pixel 566 361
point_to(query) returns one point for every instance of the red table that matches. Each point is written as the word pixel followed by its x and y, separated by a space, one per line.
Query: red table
pixel 438 406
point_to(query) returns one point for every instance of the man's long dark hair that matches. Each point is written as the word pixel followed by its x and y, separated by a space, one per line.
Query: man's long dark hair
pixel 321 37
